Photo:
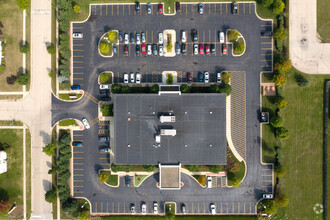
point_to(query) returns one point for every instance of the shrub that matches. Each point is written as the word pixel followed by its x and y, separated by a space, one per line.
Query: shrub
pixel 2 68
pixel 51 49
pixel 105 78
pixel 76 8
pixel 51 195
pixel 104 48
pixel 282 133
pixel 235 168
pixel 279 169
pixel 24 48
pixel 50 74
pixel 4 206
pixel 62 79
pixel 225 88
pixel 215 168
pixel 303 81
pixel 23 4
pixel 169 79
pixel 280 102
pixel 279 45
pixel 154 88
pixel 149 168
pixel 23 79
pixel 281 200
pixel 279 79
pixel 112 35
pixel 232 35
pixel 225 77
pixel 276 121
pixel 83 215
pixel 192 168
pixel 185 88
pixel 107 110
pixel 278 6
pixel 49 149
pixel 280 19
pixel 239 47
pixel 66 85
pixel 201 179
pixel 280 33
pixel 267 3
pixel 271 207
pixel 103 177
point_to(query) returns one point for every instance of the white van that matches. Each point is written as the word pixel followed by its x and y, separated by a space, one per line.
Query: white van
pixel 209 182
pixel 183 37
pixel 222 37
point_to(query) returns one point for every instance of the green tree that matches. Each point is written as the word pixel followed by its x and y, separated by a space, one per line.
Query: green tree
pixel 76 8
pixel 225 77
pixel 267 3
pixel 192 168
pixel 104 48
pixel 303 81
pixel 112 35
pixel 24 48
pixel 239 48
pixel 271 207
pixel 149 168
pixel 283 66
pixel 280 102
pixel 279 169
pixel 276 121
pixel 281 200
pixel 2 68
pixel 169 79
pixel 235 182
pixel 282 133
pixel 116 88
pixel 278 6
pixel 279 79
pixel 49 149
pixel 154 88
pixel 105 109
pixel 103 177
pixel 83 215
pixel 215 168
pixel 51 195
pixel 23 79
pixel 51 49
pixel 225 88
pixel 23 4
pixel 185 88
pixel 280 33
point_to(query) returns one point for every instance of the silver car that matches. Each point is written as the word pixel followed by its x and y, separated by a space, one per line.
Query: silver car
pixel 177 48
pixel 126 39
pixel 143 36
pixel 132 77
pixel 149 51
pixel 77 35
pixel 85 122
pixel 160 38
pixel 138 39
pixel 195 49
pixel 161 53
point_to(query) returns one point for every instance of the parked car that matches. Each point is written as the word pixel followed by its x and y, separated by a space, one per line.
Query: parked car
pixel 114 48
pixel 224 48
pixel 143 209
pixel 104 92
pixel 104 149
pixel 137 7
pixel 132 38
pixel 143 37
pixel 77 35
pixel 183 209
pixel 125 77
pixel 143 48
pixel 183 36
pixel 127 181
pixel 155 208
pixel 132 77
pixel 221 37
pixel 212 206
pixel 132 205
pixel 126 40
pixel 206 79
pixel 85 123
pixel 160 8
pixel 189 78
pixel 149 50
pixel 177 48
pixel 200 77
pixel 207 49
pixel 138 77
pixel 77 143
pixel 195 49
pixel 125 50
pixel 234 7
pixel 209 180
pixel 160 38
pixel 161 53
pixel 177 6
pixel 218 77
pixel 154 49
pixel 105 98
pixel 200 8
pixel 104 138
pixel 267 196
pixel 201 49
pixel 183 49
pixel 149 8
pixel 267 33
pixel 137 50
pixel 212 48
pixel 104 86
pixel 138 38
pixel 120 36
pixel 75 87
pixel 194 35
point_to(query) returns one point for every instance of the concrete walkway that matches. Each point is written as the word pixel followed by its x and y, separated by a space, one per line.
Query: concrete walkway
pixel 306 52
pixel 34 109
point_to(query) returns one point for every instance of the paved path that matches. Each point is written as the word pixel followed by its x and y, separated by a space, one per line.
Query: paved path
pixel 306 52
pixel 34 109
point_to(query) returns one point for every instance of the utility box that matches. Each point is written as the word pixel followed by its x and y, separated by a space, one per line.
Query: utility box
pixel 168 132
pixel 169 118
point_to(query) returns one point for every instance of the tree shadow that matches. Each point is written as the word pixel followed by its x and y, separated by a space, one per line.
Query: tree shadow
pixel 4 195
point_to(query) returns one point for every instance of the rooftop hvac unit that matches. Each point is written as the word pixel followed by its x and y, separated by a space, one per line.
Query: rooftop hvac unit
pixel 168 132
pixel 164 118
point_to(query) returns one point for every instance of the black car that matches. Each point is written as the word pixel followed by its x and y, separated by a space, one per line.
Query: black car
pixel 104 138
pixel 189 78
pixel 194 35
pixel 267 33
pixel 184 49
pixel 177 6
pixel 104 92
pixel 120 36
pixel 200 77
pixel 132 38
pixel 138 49
pixel 177 48
pixel 104 149
pixel 212 48
pixel 127 181
pixel 105 98
pixel 137 7
pixel 234 8
pixel 154 49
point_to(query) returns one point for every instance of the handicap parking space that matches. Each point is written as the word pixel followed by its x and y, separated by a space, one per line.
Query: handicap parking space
pixel 267 179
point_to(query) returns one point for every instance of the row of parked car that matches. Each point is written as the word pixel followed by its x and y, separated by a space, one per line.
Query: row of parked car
pixel 144 208
pixel 132 77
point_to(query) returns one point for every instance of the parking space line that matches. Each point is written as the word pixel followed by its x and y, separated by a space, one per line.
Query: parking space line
pixel 95 10
pixel 198 207
pixel 227 207
pixel 266 48
pixel 250 208
pixel 226 8
pixel 220 8
pixel 78 163
pixel 101 8
pixel 118 207
pixel 215 8
pixel 220 207
pixel 107 207
pixel 266 42
pixel 111 9
pixel 117 9
pixel 186 9
pixel 244 207
pixel 77 50
pixel 238 207
pixel 78 56
pixel 78 174
pixel 232 207
pixel 238 8
pixel 78 180
pixel 78 61
pixel 209 8
pixel 192 207
pixel 113 207
pixel 123 10
pixel 106 10
pixel 250 8
pixel 75 27
pixel 244 8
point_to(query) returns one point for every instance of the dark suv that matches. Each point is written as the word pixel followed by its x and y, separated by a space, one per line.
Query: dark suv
pixel 189 78
pixel 194 35
pixel 137 7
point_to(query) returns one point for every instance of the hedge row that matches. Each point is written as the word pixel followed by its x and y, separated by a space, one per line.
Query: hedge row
pixel 117 88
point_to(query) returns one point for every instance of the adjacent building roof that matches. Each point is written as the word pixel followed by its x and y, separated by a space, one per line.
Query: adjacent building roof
pixel 170 176
pixel 200 129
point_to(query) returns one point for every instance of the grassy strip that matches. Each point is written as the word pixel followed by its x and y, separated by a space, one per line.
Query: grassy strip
pixel 112 179
pixel 201 179
pixel 323 20
pixel 105 78
pixel 28 173
pixel 138 179
pixel 68 122
pixel 66 96
pixel 53 56
pixel 54 175
pixel 201 168
pixel 11 123
pixel 128 168
pixel 181 217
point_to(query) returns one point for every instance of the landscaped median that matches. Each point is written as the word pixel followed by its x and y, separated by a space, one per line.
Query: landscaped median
pixel 106 43
pixel 105 77
pixel 237 40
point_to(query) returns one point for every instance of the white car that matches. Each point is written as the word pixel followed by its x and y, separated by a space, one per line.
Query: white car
pixel 183 37
pixel 161 53
pixel 125 77
pixel 103 86
pixel 149 51
pixel 132 77
pixel 267 196
pixel 85 122
pixel 206 77
pixel 209 182
pixel 155 208
pixel 195 49
pixel 212 206
pixel 218 77
pixel 143 209
pixel 138 39
pixel 77 35
pixel 160 38
pixel 126 39
pixel 138 78
pixel 133 209
pixel 222 37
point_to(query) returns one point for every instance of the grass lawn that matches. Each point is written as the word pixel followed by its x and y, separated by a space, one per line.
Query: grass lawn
pixel 323 20
pixel 66 97
pixel 53 39
pixel 138 179
pixel 303 151
pixel 11 123
pixel 112 179
pixel 105 78
pixel 12 180
pixel 68 122
pixel 13 34
pixel 28 174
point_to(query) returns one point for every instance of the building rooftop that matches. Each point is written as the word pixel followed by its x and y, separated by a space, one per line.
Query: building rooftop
pixel 196 136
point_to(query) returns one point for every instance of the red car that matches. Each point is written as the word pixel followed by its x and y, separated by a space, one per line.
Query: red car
pixel 143 48
pixel 201 49
pixel 224 48
pixel 160 8
pixel 126 50
pixel 207 49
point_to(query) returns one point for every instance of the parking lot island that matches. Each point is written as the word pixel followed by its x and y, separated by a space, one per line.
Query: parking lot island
pixel 169 43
